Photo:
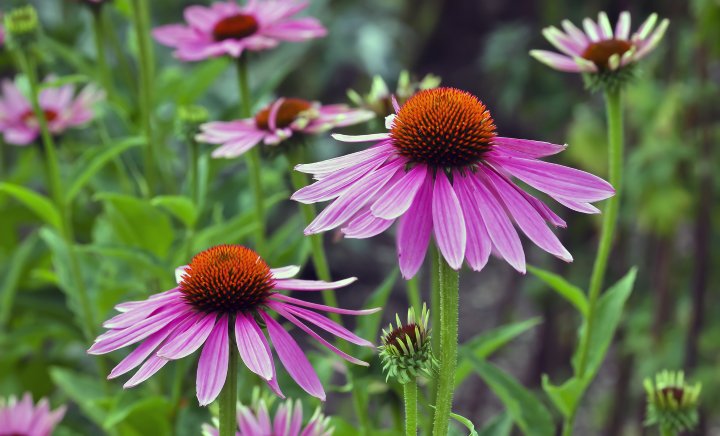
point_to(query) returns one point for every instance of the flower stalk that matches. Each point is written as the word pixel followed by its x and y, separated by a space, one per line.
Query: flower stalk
pixel 449 300
pixel 410 392
pixel 252 158
pixel 228 395
pixel 100 53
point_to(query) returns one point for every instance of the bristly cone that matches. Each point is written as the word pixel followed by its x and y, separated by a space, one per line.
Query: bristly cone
pixel 405 351
pixel 672 404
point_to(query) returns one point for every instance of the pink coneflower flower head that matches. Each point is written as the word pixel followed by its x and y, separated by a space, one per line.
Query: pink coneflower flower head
pixel 442 171
pixel 278 122
pixel 63 110
pixel 288 421
pixel 23 418
pixel 226 28
pixel 599 48
pixel 223 296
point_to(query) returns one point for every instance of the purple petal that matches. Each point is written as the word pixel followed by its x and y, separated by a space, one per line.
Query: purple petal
pixel 147 370
pixel 316 306
pixel 527 218
pixel 414 231
pixel 502 233
pixel 448 222
pixel 213 364
pixel 311 285
pixel 278 307
pixel 293 358
pixel 479 244
pixel 526 147
pixel 189 341
pixel 326 324
pixel 336 164
pixel 365 225
pixel 249 339
pixel 396 200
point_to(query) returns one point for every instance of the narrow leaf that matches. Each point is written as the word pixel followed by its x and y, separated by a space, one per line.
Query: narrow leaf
pixel 37 203
pixel 565 289
pixel 180 207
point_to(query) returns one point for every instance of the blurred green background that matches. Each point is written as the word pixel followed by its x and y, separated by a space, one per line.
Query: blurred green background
pixel 669 216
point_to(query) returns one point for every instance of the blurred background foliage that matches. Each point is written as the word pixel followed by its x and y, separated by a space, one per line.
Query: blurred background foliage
pixel 669 218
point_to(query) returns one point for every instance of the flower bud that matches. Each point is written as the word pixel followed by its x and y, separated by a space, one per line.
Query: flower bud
pixel 379 99
pixel 671 402
pixel 405 351
pixel 189 119
pixel 22 25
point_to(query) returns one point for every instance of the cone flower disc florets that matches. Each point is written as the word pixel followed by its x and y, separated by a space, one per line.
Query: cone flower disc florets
pixel 405 351
pixel 672 403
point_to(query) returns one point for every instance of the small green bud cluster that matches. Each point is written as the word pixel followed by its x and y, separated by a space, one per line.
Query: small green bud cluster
pixel 672 404
pixel 406 352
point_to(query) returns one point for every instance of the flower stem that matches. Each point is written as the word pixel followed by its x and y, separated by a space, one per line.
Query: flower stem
pixel 613 103
pixel 194 163
pixel 228 395
pixel 99 36
pixel 142 32
pixel 434 322
pixel 413 293
pixel 449 296
pixel 410 391
pixel 252 157
pixel 613 100
pixel 666 431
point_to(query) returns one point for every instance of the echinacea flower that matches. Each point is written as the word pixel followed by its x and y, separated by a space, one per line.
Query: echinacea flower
pixel 277 122
pixel 288 421
pixel 63 110
pixel 224 289
pixel 599 48
pixel 441 170
pixel 23 418
pixel 226 28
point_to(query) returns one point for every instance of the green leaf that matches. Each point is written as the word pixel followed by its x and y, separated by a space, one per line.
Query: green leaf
pixel 567 290
pixel 486 343
pixel 608 315
pixel 466 422
pixel 368 326
pixel 39 204
pixel 134 222
pixel 500 425
pixel 525 409
pixel 89 169
pixel 84 390
pixel 147 416
pixel 180 207
pixel 566 396
pixel 13 275
pixel 65 80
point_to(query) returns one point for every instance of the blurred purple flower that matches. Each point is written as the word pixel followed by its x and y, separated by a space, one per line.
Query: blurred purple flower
pixel 226 28
pixel 61 107
pixel 278 122
pixel 599 48
pixel 442 170
pixel 225 288
pixel 24 418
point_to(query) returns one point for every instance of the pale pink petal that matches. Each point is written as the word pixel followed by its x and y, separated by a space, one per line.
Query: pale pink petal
pixel 188 342
pixel 311 285
pixel 213 364
pixel 526 147
pixel 285 272
pixel 448 221
pixel 414 231
pixel 397 199
pixel 249 339
pixel 339 163
pixel 479 244
pixel 316 306
pixel 365 225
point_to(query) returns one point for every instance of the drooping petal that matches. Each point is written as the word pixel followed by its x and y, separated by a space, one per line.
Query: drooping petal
pixel 397 199
pixel 556 61
pixel 526 147
pixel 293 358
pixel 327 324
pixel 448 222
pixel 311 285
pixel 527 218
pixel 317 306
pixel 342 162
pixel 213 363
pixel 414 231
pixel 188 342
pixel 479 244
pixel 249 339
pixel 365 225
pixel 147 370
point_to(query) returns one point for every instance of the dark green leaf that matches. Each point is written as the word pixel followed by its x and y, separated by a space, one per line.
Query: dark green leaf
pixel 486 343
pixel 39 204
pixel 180 207
pixel 500 425
pixel 565 289
pixel 466 422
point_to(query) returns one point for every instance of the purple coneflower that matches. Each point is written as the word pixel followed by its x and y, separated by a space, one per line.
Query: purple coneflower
pixel 23 418
pixel 287 422
pixel 278 122
pixel 599 48
pixel 225 288
pixel 226 28
pixel 61 107
pixel 442 170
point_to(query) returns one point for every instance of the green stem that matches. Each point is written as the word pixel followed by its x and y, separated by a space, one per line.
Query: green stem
pixel 58 194
pixel 119 53
pixel 666 431
pixel 142 32
pixel 99 36
pixel 252 157
pixel 435 323
pixel 194 163
pixel 613 101
pixel 410 391
pixel 413 293
pixel 449 296
pixel 228 395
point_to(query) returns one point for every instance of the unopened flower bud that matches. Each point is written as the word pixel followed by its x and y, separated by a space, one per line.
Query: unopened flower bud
pixel 672 404
pixel 189 119
pixel 21 25
pixel 405 351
